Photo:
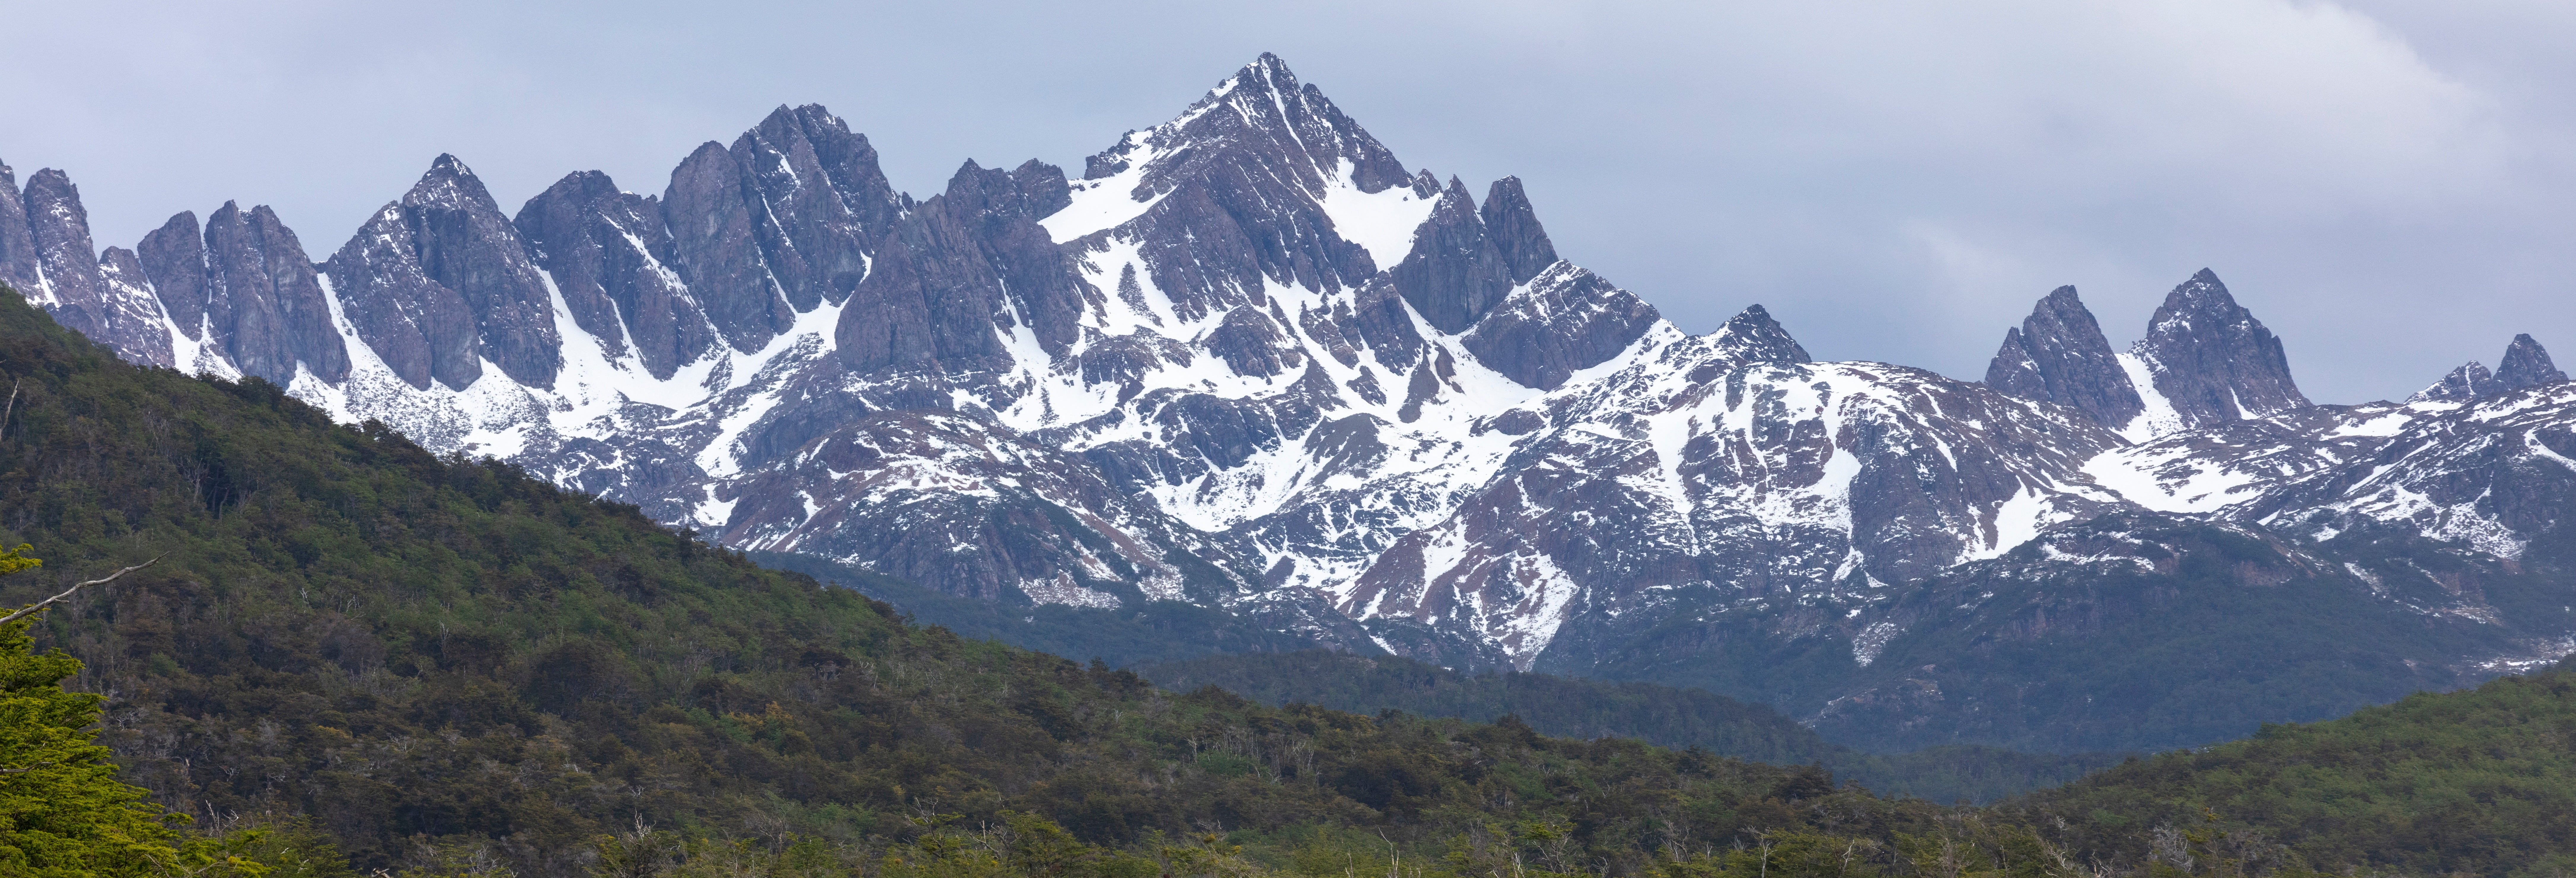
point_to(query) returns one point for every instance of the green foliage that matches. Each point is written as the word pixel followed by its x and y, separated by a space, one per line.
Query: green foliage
pixel 2480 781
pixel 454 668
pixel 1155 631
pixel 1577 708
pixel 62 810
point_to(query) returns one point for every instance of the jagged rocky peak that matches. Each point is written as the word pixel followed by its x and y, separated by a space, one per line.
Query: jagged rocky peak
pixel 48 256
pixel 2465 383
pixel 1271 114
pixel 466 243
pixel 173 259
pixel 1513 225
pixel 2526 364
pixel 2059 355
pixel 1559 322
pixel 1753 337
pixel 1262 181
pixel 2211 361
pixel 17 242
pixel 824 202
pixel 265 299
pixel 440 281
pixel 1456 271
pixel 606 246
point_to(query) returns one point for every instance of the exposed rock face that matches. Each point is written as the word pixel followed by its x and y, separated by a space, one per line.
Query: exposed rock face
pixel 74 286
pixel 1564 320
pixel 2464 383
pixel 1251 363
pixel 134 313
pixel 462 241
pixel 17 244
pixel 266 300
pixel 708 209
pixel 1263 181
pixel 2526 364
pixel 821 202
pixel 421 328
pixel 173 259
pixel 2211 360
pixel 1514 227
pixel 2059 355
pixel 1455 272
pixel 608 249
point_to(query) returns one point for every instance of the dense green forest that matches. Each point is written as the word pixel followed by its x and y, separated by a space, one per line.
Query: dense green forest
pixel 429 666
pixel 446 665
pixel 2481 781
pixel 1576 708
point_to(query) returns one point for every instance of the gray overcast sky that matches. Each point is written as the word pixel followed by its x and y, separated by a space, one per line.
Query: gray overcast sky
pixel 2386 184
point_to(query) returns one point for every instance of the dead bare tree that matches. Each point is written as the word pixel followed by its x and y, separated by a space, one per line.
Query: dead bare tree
pixel 76 587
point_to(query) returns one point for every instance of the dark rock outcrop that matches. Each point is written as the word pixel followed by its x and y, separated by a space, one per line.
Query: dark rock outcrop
pixel 715 239
pixel 266 299
pixel 173 259
pixel 2212 360
pixel 64 258
pixel 2526 364
pixel 1241 178
pixel 2463 384
pixel 821 204
pixel 1751 336
pixel 129 295
pixel 2059 355
pixel 1513 225
pixel 1455 273
pixel 603 244
pixel 419 327
pixel 464 242
pixel 949 279
pixel 17 243
pixel 1566 320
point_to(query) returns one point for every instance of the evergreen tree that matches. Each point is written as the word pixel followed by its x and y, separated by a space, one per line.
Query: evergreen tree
pixel 62 810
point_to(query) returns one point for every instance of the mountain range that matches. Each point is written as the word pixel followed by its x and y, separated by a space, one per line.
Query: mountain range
pixel 1248 362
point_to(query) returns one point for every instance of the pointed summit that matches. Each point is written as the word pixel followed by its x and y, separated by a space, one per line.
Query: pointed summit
pixel 2211 360
pixel 2059 355
pixel 2463 384
pixel 17 242
pixel 2526 364
pixel 443 253
pixel 1261 180
pixel 1753 337
pixel 1513 224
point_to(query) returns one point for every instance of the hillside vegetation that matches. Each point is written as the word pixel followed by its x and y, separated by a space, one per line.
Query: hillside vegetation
pixel 1577 708
pixel 2481 781
pixel 444 667
pixel 444 663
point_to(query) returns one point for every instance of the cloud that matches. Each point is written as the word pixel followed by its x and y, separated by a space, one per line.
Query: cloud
pixel 1896 180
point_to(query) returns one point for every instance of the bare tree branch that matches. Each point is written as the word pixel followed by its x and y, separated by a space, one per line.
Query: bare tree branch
pixel 4 620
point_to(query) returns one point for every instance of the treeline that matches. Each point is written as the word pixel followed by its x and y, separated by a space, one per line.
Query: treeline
pixel 1666 715
pixel 2481 782
pixel 440 661
pixel 372 658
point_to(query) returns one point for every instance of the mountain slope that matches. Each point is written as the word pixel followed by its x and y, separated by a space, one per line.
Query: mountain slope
pixel 1585 709
pixel 1249 363
pixel 2477 782
pixel 435 657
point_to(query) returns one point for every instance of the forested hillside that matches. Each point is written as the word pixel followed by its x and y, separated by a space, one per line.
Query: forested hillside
pixel 2480 782
pixel 445 661
pixel 450 668
pixel 1577 708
